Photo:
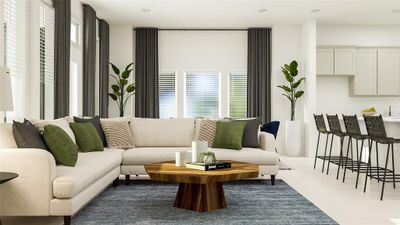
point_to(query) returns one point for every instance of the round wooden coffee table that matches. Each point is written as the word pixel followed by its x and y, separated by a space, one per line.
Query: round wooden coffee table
pixel 200 191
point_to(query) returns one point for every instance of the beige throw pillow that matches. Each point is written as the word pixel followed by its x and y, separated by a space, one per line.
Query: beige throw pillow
pixel 62 123
pixel 207 130
pixel 118 134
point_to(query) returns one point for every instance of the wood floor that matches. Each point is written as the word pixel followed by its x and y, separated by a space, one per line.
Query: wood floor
pixel 339 200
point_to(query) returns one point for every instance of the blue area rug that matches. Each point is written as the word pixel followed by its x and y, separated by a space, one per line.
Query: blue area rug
pixel 249 202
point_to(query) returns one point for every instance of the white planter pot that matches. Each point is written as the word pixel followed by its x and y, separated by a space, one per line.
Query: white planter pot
pixel 294 138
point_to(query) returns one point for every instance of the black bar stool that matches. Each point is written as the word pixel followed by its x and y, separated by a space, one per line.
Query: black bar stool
pixel 321 128
pixel 354 132
pixel 377 132
pixel 336 130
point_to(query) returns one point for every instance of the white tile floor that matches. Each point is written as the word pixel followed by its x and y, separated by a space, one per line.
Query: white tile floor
pixel 340 201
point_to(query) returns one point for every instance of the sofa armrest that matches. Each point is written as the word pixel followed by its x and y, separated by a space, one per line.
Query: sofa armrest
pixel 267 141
pixel 30 193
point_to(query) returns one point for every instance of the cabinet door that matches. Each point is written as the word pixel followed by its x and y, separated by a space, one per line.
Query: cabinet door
pixel 344 61
pixel 388 72
pixel 366 73
pixel 325 61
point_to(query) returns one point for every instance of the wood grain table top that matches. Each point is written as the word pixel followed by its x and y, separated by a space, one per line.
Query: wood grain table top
pixel 167 171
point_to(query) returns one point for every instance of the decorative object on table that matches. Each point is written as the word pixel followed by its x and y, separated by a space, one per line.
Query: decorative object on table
pixel 272 128
pixel 229 135
pixel 197 148
pixel 122 91
pixel 181 158
pixel 207 157
pixel 26 135
pixel 208 166
pixel 369 112
pixel 294 129
pixel 6 98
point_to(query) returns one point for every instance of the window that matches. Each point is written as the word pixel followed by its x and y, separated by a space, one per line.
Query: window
pixel 238 95
pixel 73 88
pixel 16 37
pixel 167 95
pixel 74 32
pixel 46 61
pixel 202 95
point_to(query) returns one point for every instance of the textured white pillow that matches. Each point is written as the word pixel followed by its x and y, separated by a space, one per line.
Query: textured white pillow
pixel 62 123
pixel 118 134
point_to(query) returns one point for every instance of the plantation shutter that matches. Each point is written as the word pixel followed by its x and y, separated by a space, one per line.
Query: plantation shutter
pixel 167 95
pixel 238 95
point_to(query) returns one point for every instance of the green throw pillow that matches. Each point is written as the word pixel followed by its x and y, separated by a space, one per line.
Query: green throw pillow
pixel 87 137
pixel 61 145
pixel 229 135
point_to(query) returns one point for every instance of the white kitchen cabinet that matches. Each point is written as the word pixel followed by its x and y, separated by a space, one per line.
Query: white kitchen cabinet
pixel 344 61
pixel 388 72
pixel 365 78
pixel 325 61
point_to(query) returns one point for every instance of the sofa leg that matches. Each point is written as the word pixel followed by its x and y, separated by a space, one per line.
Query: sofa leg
pixel 67 220
pixel 127 179
pixel 115 182
pixel 272 180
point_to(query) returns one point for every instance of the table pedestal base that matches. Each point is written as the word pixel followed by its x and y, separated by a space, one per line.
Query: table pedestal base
pixel 200 197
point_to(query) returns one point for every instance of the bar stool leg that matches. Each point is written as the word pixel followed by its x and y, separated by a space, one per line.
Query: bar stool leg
pixel 329 158
pixel 347 155
pixel 352 156
pixel 394 173
pixel 384 173
pixel 368 164
pixel 359 162
pixel 340 156
pixel 316 151
pixel 377 160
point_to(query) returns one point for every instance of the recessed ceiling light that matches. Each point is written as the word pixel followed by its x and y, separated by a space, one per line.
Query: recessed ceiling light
pixel 315 10
pixel 396 11
pixel 145 10
pixel 262 10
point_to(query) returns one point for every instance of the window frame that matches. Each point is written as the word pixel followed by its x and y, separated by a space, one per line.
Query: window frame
pixel 77 35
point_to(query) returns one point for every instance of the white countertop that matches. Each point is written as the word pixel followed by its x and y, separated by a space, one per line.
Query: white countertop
pixel 389 119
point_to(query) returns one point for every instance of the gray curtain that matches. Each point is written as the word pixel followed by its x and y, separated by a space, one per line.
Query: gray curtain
pixel 104 59
pixel 62 9
pixel 146 73
pixel 259 73
pixel 89 60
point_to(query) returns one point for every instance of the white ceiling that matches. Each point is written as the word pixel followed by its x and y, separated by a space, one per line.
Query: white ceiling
pixel 242 13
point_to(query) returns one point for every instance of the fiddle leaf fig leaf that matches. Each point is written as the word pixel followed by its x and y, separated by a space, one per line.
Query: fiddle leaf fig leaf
pixel 123 82
pixel 115 87
pixel 128 66
pixel 115 69
pixel 114 97
pixel 126 73
pixel 285 88
pixel 130 88
pixel 297 83
pixel 298 94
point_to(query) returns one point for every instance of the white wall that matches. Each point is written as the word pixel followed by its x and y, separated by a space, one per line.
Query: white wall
pixel 333 92
pixel 121 54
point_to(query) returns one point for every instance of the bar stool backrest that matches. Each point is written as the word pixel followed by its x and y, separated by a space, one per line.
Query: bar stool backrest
pixel 334 124
pixel 375 126
pixel 351 124
pixel 320 123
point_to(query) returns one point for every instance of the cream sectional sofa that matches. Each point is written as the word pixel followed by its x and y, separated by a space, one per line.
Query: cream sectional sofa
pixel 44 188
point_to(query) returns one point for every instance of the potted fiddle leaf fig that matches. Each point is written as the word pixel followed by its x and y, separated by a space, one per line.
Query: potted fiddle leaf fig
pixel 294 129
pixel 122 91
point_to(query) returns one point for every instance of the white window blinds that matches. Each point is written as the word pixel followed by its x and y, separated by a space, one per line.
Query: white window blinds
pixel 202 95
pixel 238 95
pixel 46 61
pixel 167 95
pixel 16 36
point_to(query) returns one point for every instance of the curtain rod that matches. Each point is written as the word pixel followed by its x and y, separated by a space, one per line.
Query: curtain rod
pixel 190 29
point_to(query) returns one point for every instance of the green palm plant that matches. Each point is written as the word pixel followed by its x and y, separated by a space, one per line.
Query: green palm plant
pixel 290 72
pixel 122 91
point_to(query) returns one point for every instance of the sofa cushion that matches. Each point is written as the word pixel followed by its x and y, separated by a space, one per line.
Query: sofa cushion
pixel 205 130
pixel 96 123
pixel 148 155
pixel 229 135
pixel 249 155
pixel 61 146
pixel 90 167
pixel 118 134
pixel 27 136
pixel 62 123
pixel 162 132
pixel 87 137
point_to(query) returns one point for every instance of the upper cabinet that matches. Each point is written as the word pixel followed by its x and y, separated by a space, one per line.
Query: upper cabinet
pixel 335 61
pixel 325 61
pixel 388 72
pixel 364 81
